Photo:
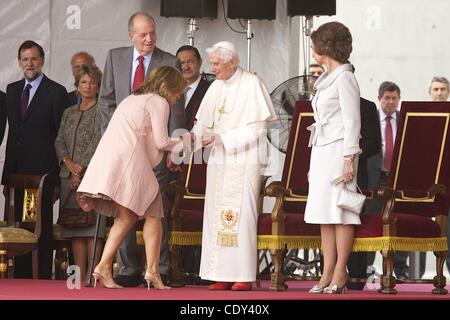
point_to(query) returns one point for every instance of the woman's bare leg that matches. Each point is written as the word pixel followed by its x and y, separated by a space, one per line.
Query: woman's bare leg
pixel 328 240
pixel 344 244
pixel 152 239
pixel 152 234
pixel 122 224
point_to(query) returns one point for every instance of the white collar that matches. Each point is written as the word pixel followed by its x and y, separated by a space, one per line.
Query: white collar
pixel 194 84
pixel 327 79
pixel 36 82
pixel 234 77
pixel 136 54
pixel 383 115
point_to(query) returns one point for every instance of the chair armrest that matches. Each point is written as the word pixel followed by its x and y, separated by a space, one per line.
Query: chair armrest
pixel 263 185
pixel 177 188
pixel 420 195
pixel 392 195
pixel 275 189
pixel 174 212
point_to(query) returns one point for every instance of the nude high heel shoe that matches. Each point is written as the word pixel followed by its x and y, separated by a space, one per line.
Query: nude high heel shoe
pixel 106 282
pixel 155 279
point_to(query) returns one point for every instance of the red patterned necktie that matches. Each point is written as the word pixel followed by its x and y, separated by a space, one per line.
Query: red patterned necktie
pixel 139 74
pixel 24 102
pixel 389 144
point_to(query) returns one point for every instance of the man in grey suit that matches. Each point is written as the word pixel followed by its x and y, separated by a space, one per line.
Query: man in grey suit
pixel 124 71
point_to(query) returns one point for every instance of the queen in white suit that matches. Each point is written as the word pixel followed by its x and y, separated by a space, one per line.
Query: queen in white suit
pixel 335 147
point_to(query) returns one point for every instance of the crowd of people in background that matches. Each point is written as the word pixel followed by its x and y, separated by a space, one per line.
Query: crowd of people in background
pixel 106 145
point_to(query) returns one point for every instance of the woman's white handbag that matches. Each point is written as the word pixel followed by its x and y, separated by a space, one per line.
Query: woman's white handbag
pixel 351 200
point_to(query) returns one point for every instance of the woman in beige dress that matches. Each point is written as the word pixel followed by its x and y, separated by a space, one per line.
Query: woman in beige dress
pixel 119 180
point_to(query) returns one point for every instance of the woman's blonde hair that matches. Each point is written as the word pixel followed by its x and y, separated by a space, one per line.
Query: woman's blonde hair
pixel 163 81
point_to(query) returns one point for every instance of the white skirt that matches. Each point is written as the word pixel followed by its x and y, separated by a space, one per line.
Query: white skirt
pixel 327 163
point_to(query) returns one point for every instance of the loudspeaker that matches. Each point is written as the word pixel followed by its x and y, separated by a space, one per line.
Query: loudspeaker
pixel 252 9
pixel 311 8
pixel 189 8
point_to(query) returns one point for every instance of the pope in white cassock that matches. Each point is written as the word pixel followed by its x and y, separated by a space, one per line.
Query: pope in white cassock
pixel 231 120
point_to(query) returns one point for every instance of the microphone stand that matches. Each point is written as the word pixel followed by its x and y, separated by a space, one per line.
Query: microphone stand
pixel 249 38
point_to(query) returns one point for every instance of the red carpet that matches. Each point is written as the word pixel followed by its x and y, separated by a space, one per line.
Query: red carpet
pixel 21 289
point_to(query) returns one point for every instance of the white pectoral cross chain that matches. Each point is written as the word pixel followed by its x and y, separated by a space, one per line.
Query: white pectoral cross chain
pixel 221 109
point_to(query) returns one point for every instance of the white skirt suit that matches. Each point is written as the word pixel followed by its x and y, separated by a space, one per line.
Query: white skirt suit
pixel 335 134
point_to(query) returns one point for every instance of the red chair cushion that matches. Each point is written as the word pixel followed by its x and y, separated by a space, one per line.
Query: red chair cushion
pixel 294 225
pixel 408 225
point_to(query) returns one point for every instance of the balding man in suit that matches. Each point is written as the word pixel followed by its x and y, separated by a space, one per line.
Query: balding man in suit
pixel 124 72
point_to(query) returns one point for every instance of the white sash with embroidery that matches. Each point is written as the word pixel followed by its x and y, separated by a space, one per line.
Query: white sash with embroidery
pixel 228 207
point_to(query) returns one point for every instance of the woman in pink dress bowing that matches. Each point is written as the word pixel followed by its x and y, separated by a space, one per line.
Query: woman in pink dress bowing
pixel 119 180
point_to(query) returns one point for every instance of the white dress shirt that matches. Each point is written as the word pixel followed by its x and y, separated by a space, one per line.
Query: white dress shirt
pixel 190 91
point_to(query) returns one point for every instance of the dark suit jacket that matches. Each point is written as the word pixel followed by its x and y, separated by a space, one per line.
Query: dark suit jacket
pixel 194 102
pixel 376 162
pixel 2 115
pixel 374 165
pixel 73 97
pixel 370 142
pixel 30 146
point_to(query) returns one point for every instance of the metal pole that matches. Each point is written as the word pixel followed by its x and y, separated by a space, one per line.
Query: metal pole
pixel 308 28
pixel 249 38
pixel 192 26
pixel 94 249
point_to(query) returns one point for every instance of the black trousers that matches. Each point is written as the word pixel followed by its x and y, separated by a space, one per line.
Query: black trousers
pixel 23 263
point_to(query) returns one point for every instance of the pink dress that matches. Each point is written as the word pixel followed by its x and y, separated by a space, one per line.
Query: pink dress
pixel 121 169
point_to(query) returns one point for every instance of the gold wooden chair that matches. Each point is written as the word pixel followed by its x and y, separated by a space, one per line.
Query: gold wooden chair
pixel 284 228
pixel 414 217
pixel 16 241
pixel 186 213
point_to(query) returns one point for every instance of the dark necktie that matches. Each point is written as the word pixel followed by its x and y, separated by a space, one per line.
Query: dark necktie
pixel 139 74
pixel 389 144
pixel 24 102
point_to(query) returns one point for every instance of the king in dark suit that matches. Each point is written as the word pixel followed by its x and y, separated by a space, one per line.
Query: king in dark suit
pixel 35 105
